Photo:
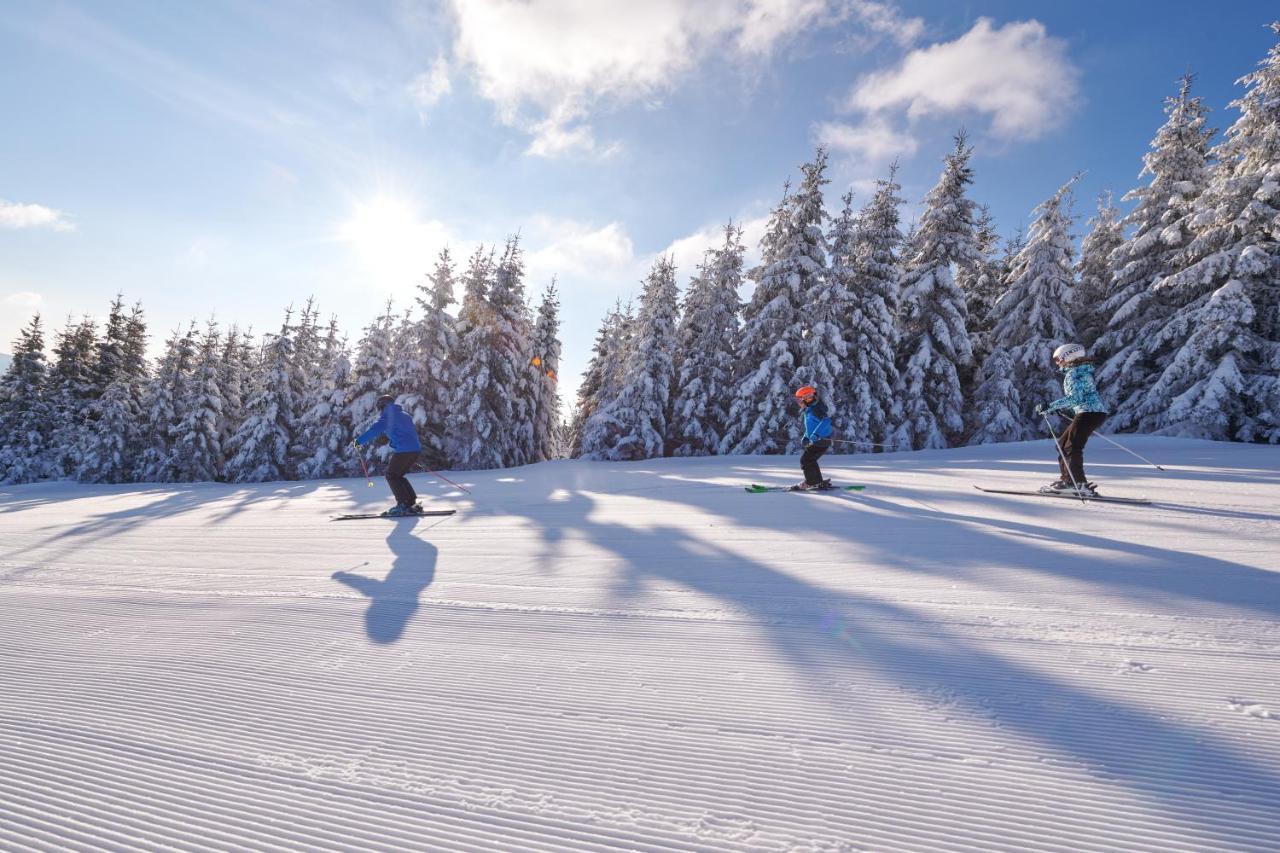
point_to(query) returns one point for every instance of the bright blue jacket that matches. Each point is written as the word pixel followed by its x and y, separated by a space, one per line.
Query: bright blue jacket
pixel 397 426
pixel 817 421
pixel 1082 393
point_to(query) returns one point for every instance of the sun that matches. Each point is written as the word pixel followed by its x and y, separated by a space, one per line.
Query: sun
pixel 394 244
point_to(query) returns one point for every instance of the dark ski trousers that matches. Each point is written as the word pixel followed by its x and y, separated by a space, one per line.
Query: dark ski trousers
pixel 397 467
pixel 809 461
pixel 1072 441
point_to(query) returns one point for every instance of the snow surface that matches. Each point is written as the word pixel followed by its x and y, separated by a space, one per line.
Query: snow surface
pixel 643 656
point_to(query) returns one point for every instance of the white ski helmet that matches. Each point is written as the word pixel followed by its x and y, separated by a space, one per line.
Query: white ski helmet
pixel 1068 352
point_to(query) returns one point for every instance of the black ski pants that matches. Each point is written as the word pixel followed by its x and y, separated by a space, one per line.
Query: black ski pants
pixel 1071 442
pixel 809 461
pixel 397 467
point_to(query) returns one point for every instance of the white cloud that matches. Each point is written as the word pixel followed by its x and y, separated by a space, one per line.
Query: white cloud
pixel 546 64
pixel 874 140
pixel 882 19
pixel 395 245
pixel 688 251
pixel 431 86
pixel 1016 74
pixel 24 299
pixel 566 248
pixel 17 215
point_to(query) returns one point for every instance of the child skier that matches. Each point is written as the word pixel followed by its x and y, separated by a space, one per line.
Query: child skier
pixel 817 438
pixel 1083 401
pixel 398 427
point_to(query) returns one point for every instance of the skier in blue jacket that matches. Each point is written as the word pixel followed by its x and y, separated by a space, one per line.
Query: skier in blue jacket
pixel 398 427
pixel 817 438
pixel 1088 412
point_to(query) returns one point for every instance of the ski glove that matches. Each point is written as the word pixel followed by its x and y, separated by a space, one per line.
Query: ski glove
pixel 806 442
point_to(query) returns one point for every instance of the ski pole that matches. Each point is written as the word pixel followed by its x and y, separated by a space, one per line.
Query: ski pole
pixel 863 443
pixel 363 467
pixel 1065 464
pixel 446 479
pixel 1108 438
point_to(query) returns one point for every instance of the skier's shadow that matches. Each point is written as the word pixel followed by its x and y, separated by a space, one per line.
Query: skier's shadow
pixel 394 599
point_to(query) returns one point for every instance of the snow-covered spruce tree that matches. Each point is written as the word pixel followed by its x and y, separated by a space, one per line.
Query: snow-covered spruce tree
pixel 705 339
pixel 111 444
pixel 71 392
pixel 997 414
pixel 370 370
pixel 25 414
pixel 474 432
pixel 438 344
pixel 594 381
pixel 547 428
pixel 236 366
pixel 982 283
pixel 161 407
pixel 1034 312
pixel 494 397
pixel 109 360
pixel 934 346
pixel 323 429
pixel 1220 350
pixel 261 444
pixel 871 333
pixel 633 425
pixel 771 348
pixel 1095 272
pixel 1178 164
pixel 197 440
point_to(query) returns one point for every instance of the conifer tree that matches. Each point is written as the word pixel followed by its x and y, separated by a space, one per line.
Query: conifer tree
pixel 112 441
pixel 510 351
pixel 324 431
pixel 982 283
pixel 438 344
pixel 197 440
pixel 705 350
pixel 1095 271
pixel 475 424
pixel 1220 350
pixel 235 367
pixel 762 417
pixel 871 334
pixel 1178 163
pixel 71 391
pixel 547 428
pixel 371 368
pixel 25 413
pixel 161 408
pixel 934 346
pixel 260 447
pixel 997 413
pixel 1034 311
pixel 633 425
pixel 595 381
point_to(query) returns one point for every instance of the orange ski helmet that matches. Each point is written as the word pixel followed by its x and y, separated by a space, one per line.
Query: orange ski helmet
pixel 806 392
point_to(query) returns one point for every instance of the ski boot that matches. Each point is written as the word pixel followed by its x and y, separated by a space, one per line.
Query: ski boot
pixel 825 485
pixel 416 509
pixel 1087 490
pixel 1057 487
pixel 805 487
pixel 398 511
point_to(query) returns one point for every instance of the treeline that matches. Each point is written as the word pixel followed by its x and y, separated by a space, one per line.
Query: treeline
pixel 942 336
pixel 480 386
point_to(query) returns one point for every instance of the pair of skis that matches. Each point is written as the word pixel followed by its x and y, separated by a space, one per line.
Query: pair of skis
pixel 424 514
pixel 756 489
pixel 1071 496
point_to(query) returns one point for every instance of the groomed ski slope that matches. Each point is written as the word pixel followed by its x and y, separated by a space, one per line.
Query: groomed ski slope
pixel 596 656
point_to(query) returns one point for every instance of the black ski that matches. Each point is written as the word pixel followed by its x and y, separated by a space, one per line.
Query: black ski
pixel 756 489
pixel 423 514
pixel 1071 496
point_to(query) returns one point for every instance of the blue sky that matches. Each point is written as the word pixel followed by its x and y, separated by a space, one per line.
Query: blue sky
pixel 229 158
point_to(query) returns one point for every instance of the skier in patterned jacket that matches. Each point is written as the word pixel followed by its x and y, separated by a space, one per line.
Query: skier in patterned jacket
pixel 1083 402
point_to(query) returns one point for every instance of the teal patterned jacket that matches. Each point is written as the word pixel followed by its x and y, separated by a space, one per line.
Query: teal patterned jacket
pixel 1082 393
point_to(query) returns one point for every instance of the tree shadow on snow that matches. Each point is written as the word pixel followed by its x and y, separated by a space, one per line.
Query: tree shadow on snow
pixel 829 637
pixel 394 599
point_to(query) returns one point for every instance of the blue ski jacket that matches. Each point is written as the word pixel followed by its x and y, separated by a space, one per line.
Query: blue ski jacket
pixel 817 421
pixel 398 427
pixel 1082 393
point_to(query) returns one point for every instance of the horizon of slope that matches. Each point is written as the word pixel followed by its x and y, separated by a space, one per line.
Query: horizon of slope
pixel 603 656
